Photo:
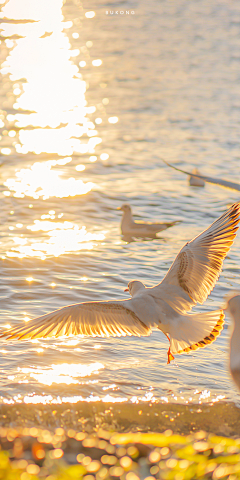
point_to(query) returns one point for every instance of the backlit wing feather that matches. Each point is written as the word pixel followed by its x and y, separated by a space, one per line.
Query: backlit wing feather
pixel 197 267
pixel 95 319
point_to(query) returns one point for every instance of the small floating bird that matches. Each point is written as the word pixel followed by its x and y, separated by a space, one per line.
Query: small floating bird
pixel 131 228
pixel 195 179
pixel 234 308
pixel 203 178
pixel 189 281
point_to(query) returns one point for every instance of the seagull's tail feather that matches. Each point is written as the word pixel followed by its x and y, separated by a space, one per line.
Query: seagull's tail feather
pixel 171 224
pixel 195 331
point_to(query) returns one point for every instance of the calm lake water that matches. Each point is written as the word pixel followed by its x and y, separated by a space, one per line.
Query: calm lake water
pixel 90 104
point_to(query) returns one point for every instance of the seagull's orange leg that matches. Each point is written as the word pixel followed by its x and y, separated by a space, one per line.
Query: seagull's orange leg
pixel 170 355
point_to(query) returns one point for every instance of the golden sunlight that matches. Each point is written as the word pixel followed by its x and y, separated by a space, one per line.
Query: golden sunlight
pixel 50 106
pixel 41 181
pixel 64 237
pixel 61 374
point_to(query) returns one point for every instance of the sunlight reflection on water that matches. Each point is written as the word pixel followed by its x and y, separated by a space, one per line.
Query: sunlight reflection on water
pixel 41 181
pixel 64 238
pixel 50 117
pixel 53 93
pixel 63 373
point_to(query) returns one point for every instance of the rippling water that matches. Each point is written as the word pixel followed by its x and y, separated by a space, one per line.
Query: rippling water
pixel 90 103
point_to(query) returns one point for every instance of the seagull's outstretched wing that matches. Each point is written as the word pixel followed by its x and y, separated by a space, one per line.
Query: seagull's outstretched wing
pixel 197 267
pixel 215 181
pixel 95 319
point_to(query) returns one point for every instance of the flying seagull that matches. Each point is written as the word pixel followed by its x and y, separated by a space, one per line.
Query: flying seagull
pixel 140 229
pixel 233 306
pixel 215 181
pixel 189 281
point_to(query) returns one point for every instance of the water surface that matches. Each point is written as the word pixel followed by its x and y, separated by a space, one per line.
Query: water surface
pixel 90 104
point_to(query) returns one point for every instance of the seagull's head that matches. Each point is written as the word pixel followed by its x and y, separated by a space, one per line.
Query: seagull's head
pixel 134 287
pixel 125 208
pixel 233 307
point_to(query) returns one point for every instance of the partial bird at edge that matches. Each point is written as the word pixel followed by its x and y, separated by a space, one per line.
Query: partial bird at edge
pixel 215 181
pixel 233 307
pixel 189 281
pixel 130 228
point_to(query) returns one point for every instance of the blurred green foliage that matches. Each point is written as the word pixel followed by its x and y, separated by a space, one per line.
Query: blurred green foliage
pixel 130 456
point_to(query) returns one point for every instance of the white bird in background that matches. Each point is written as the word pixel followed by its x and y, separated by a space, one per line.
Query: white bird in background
pixel 189 281
pixel 195 179
pixel 203 179
pixel 140 229
pixel 233 306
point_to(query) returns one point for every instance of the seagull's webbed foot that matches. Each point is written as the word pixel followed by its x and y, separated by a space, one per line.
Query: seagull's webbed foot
pixel 170 356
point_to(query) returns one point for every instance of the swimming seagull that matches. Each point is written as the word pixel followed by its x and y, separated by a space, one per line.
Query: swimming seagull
pixel 195 179
pixel 189 281
pixel 140 229
pixel 233 306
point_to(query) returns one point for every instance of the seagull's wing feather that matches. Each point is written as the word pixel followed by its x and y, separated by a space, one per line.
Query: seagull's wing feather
pixel 153 227
pixel 197 267
pixel 95 319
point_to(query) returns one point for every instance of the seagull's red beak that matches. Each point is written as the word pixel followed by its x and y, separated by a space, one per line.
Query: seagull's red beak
pixel 126 290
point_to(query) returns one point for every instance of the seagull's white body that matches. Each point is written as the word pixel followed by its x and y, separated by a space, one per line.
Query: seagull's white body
pixel 234 309
pixel 140 229
pixel 189 281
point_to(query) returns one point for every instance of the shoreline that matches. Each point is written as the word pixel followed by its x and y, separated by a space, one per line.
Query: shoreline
pixel 220 418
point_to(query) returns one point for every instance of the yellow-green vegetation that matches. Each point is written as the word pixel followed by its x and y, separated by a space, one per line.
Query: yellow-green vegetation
pixel 40 454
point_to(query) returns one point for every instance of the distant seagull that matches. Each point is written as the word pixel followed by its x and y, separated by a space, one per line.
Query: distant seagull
pixel 131 228
pixel 215 181
pixel 195 179
pixel 234 308
pixel 189 281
